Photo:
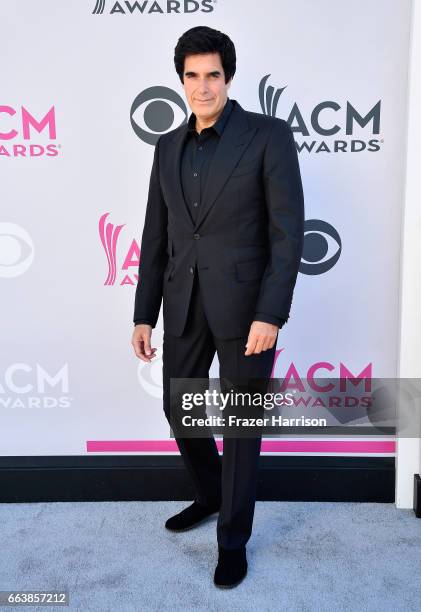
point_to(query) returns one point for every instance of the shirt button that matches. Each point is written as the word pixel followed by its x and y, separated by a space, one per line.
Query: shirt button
pixel 200 148
pixel 196 236
pixel 195 203
pixel 194 174
pixel 191 270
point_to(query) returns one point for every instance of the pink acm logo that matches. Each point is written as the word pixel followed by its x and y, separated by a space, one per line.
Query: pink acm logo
pixel 21 125
pixel 295 378
pixel 125 273
pixel 327 387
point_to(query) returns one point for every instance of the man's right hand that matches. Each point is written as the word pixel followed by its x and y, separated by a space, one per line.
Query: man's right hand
pixel 141 342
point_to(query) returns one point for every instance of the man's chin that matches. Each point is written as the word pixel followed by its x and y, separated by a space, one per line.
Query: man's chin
pixel 204 109
pixel 205 116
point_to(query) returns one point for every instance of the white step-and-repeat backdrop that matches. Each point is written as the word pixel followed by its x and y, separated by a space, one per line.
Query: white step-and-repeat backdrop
pixel 86 88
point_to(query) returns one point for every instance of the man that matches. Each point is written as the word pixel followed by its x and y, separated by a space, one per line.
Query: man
pixel 221 245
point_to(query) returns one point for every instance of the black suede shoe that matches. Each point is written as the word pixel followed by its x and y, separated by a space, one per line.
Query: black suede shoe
pixel 231 568
pixel 190 517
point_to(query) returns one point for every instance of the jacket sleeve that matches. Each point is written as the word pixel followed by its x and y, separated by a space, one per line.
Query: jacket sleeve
pixel 260 316
pixel 285 207
pixel 153 251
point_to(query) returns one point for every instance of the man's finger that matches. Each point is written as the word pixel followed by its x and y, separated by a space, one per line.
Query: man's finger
pixel 147 343
pixel 272 342
pixel 139 349
pixel 136 347
pixel 251 344
pixel 267 343
pixel 259 345
pixel 148 356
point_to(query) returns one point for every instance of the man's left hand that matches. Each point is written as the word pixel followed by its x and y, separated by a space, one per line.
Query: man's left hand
pixel 262 336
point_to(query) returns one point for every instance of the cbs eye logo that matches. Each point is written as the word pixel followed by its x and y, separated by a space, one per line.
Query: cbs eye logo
pixel 16 250
pixel 320 241
pixel 157 110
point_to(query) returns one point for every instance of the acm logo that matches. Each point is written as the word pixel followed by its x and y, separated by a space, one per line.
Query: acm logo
pixel 322 125
pixel 21 124
pixel 25 385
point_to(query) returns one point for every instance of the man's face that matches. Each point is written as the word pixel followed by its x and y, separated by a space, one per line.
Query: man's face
pixel 204 85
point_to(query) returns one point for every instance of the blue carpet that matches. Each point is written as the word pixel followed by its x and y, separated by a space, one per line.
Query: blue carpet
pixel 302 557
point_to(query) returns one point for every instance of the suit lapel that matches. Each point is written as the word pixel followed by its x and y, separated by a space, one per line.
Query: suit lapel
pixel 234 140
pixel 175 170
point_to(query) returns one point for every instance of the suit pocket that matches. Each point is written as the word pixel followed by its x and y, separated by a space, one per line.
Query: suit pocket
pixel 250 270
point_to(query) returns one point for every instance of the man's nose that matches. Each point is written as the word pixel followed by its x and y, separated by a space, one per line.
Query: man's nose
pixel 204 86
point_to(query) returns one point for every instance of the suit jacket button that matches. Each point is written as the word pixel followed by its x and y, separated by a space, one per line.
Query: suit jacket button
pixel 196 236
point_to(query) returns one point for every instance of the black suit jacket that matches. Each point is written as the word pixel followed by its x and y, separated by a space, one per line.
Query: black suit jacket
pixel 247 242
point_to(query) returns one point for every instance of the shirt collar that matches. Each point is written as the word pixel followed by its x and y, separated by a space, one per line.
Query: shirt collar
pixel 219 125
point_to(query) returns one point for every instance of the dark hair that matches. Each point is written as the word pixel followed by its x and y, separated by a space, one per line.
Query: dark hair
pixel 202 39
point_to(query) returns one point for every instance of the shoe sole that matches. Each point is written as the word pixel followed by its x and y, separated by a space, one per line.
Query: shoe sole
pixel 229 586
pixel 203 520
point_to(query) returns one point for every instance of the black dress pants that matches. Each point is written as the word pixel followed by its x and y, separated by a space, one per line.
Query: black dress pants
pixel 231 480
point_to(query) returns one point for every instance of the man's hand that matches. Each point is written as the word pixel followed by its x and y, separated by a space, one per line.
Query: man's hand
pixel 262 336
pixel 141 342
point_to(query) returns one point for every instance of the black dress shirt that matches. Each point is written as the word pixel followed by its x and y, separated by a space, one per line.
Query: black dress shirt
pixel 197 154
